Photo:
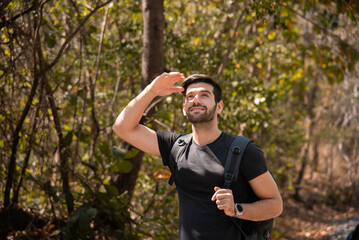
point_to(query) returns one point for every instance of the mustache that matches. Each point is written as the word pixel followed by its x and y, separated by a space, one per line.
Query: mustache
pixel 197 105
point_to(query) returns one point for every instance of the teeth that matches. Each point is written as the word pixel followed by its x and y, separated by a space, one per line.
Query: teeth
pixel 194 109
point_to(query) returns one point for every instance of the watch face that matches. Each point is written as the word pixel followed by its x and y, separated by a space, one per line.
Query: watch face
pixel 239 207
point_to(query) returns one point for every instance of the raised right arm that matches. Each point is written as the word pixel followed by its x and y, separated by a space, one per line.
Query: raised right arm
pixel 127 124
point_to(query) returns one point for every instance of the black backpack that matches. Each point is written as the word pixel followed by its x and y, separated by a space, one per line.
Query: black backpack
pixel 250 230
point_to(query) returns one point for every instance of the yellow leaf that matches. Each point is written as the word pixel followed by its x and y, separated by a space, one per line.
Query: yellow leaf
pixel 162 174
pixel 67 127
pixel 261 29
pixel 5 38
pixel 271 36
pixel 56 22
pixel 238 65
pixel 35 101
pixel 197 41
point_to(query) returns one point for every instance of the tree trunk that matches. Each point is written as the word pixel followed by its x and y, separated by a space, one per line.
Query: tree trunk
pixel 152 65
pixel 312 123
pixel 152 54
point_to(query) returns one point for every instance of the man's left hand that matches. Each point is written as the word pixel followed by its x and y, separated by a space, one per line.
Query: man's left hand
pixel 224 200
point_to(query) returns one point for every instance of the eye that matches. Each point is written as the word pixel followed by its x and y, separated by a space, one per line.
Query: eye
pixel 189 97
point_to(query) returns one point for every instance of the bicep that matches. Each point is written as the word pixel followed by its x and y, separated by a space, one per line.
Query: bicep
pixel 144 139
pixel 265 187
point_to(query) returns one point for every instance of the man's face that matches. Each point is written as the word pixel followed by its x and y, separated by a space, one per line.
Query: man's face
pixel 199 105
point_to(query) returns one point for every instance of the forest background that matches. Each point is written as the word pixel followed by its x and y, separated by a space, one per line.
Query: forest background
pixel 289 70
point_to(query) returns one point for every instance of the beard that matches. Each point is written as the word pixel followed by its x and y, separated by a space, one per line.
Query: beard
pixel 205 116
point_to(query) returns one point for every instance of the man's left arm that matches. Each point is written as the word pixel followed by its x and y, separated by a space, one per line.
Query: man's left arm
pixel 269 206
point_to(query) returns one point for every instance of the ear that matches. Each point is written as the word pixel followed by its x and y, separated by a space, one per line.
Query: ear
pixel 220 105
pixel 183 110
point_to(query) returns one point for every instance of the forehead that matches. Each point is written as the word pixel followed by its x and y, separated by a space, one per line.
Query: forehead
pixel 199 87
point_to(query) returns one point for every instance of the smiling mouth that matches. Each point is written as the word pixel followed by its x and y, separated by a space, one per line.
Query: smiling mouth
pixel 196 108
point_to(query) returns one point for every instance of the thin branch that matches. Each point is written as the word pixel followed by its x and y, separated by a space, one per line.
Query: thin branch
pixel 63 158
pixel 231 42
pixel 112 104
pixel 15 198
pixel 16 134
pixel 93 86
pixel 152 105
pixel 324 29
pixel 73 34
pixel 5 22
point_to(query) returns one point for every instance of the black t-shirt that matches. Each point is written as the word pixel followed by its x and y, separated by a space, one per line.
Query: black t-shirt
pixel 201 169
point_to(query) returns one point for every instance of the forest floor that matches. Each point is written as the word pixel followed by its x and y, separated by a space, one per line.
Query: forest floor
pixel 315 219
pixel 321 222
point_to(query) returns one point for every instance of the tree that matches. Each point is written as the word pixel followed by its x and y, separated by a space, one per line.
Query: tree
pixel 151 65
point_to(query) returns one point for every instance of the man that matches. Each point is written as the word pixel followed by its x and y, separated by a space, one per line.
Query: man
pixel 206 209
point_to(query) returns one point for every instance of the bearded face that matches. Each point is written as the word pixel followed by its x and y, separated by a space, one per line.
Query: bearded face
pixel 200 114
pixel 200 105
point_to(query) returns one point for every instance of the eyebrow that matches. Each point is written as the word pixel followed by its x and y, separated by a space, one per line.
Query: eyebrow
pixel 202 91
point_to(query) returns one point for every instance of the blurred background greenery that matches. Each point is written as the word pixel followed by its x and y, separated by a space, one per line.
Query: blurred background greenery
pixel 289 72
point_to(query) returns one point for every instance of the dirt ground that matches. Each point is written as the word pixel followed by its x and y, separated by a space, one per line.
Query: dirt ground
pixel 319 222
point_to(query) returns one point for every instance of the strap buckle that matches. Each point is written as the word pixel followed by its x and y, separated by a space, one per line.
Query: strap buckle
pixel 228 178
pixel 236 150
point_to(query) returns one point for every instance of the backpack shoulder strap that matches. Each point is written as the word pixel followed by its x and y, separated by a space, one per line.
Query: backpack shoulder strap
pixel 233 160
pixel 177 148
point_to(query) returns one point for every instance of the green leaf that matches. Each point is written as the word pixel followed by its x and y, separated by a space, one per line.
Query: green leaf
pixel 105 149
pixel 92 212
pixel 83 222
pixel 85 138
pixel 118 153
pixel 68 138
pixel 73 219
pixel 72 99
pixel 124 166
pixel 50 40
pixel 131 153
pixel 111 190
pixel 69 199
pixel 166 115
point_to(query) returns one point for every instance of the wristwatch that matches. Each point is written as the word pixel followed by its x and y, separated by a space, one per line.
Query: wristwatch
pixel 238 209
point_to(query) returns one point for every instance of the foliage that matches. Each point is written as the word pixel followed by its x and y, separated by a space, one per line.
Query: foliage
pixel 68 67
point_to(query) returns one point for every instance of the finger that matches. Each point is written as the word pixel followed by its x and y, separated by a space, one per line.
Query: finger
pixel 224 200
pixel 177 77
pixel 223 193
pixel 215 194
pixel 177 89
pixel 223 206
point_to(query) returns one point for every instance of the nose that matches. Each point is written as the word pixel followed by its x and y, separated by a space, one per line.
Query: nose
pixel 196 97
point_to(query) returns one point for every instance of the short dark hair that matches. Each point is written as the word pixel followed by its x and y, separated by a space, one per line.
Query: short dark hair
pixel 197 78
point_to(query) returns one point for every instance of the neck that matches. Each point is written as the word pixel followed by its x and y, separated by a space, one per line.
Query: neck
pixel 205 133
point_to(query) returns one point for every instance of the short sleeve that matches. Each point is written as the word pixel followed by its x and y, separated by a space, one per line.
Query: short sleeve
pixel 165 143
pixel 253 163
